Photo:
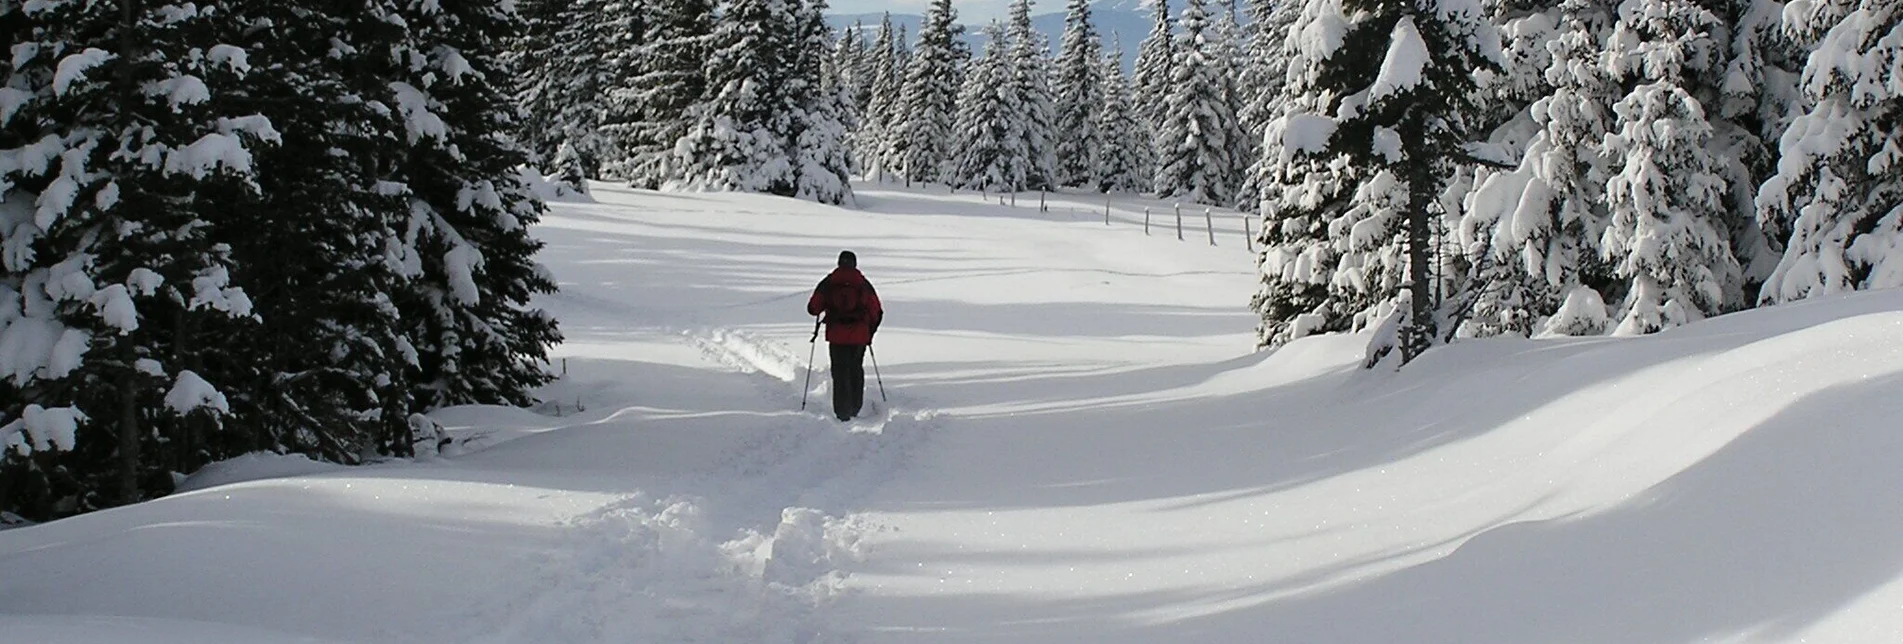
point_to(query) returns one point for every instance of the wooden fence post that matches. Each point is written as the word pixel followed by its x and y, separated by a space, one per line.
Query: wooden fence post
pixel 1179 222
pixel 1146 220
pixel 1209 221
pixel 1248 240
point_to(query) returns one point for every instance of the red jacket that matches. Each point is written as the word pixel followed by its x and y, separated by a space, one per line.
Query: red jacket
pixel 855 332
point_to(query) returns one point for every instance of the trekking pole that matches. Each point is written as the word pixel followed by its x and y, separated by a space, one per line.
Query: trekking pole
pixel 875 373
pixel 811 352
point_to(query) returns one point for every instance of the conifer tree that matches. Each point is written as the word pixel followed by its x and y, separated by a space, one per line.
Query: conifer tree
pixel 736 140
pixel 1197 145
pixel 1540 225
pixel 467 247
pixel 990 127
pixel 1837 196
pixel 818 117
pixel 881 113
pixel 1261 80
pixel 1079 98
pixel 126 132
pixel 571 57
pixel 1378 132
pixel 328 370
pixel 919 148
pixel 1030 78
pixel 1122 160
pixel 1230 64
pixel 649 113
pixel 1153 75
pixel 1667 237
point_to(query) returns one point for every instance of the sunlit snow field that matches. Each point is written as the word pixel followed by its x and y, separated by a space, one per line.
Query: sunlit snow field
pixel 1075 443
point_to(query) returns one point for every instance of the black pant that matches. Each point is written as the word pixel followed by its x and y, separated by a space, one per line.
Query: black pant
pixel 849 378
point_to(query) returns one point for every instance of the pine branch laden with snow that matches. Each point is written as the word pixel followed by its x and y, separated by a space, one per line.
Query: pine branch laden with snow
pixel 1837 195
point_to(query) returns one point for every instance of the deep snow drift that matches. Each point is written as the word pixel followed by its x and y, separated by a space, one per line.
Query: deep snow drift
pixel 1079 446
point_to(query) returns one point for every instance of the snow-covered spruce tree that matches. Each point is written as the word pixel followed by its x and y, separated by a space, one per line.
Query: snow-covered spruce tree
pixel 1196 147
pixel 1838 192
pixel 1378 132
pixel 1667 235
pixel 1261 80
pixel 1535 230
pixel 1152 76
pixel 1724 57
pixel 820 127
pixel 1123 160
pixel 122 139
pixel 765 123
pixel 567 61
pixel 1079 99
pixel 882 105
pixel 990 125
pixel 467 250
pixel 325 370
pixel 865 65
pixel 736 139
pixel 1228 51
pixel 918 147
pixel 648 114
pixel 1031 79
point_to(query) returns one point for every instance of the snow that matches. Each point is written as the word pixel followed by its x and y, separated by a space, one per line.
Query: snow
pixel 190 393
pixel 232 57
pixel 41 429
pixel 1401 68
pixel 1302 133
pixel 461 264
pixel 1079 446
pixel 418 121
pixel 254 467
pixel 72 68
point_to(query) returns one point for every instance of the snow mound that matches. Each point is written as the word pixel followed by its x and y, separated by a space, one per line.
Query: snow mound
pixel 253 467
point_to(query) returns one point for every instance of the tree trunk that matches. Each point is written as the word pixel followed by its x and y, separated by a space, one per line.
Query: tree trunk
pixel 129 437
pixel 1418 335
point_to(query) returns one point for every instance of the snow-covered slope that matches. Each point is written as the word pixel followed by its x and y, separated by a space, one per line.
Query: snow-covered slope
pixel 1079 446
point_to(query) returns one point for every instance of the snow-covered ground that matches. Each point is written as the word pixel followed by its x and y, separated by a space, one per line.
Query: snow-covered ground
pixel 1079 446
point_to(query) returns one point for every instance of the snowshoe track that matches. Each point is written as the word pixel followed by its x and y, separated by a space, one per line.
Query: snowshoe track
pixel 762 552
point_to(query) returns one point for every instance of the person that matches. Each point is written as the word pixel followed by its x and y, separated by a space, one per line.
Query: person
pixel 852 315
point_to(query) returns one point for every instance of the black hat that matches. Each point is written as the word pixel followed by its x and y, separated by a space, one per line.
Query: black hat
pixel 848 260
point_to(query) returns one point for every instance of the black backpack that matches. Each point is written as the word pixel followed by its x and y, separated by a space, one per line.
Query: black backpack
pixel 846 302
